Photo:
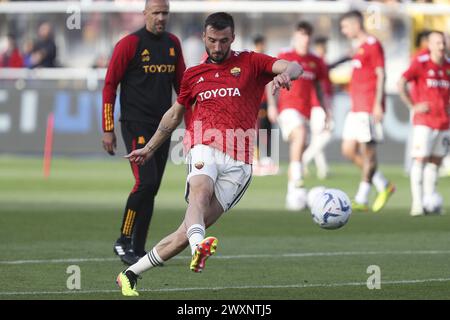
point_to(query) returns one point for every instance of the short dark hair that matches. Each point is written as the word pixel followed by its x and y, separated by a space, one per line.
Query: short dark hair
pixel 258 39
pixel 220 21
pixel 306 27
pixel 354 14
pixel 322 40
pixel 422 35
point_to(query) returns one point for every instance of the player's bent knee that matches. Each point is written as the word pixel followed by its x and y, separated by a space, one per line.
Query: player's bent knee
pixel 347 152
pixel 420 160
pixel 201 195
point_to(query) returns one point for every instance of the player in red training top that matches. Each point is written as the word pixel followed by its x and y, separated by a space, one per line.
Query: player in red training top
pixel 421 45
pixel 363 125
pixel 431 119
pixel 320 130
pixel 227 90
pixel 294 107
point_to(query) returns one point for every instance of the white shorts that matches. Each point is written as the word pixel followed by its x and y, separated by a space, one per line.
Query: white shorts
pixel 360 126
pixel 231 177
pixel 429 142
pixel 288 120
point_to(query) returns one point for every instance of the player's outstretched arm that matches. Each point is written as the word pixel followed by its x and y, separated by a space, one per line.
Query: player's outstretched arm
pixel 169 122
pixel 286 71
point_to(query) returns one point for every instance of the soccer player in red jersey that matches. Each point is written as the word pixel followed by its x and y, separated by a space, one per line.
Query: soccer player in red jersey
pixel 431 120
pixel 421 49
pixel 363 125
pixel 148 64
pixel 294 107
pixel 227 91
pixel 320 130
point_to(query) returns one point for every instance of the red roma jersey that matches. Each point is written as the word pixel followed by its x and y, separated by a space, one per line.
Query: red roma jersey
pixel 364 80
pixel 299 97
pixel 225 99
pixel 432 85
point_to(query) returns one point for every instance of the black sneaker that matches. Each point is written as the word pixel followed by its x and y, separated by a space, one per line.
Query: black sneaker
pixel 130 257
pixel 121 246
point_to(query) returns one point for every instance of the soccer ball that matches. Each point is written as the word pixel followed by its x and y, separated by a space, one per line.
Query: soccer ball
pixel 313 193
pixel 331 209
pixel 433 203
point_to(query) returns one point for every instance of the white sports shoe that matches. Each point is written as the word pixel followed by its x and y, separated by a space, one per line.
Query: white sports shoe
pixel 417 211
pixel 296 199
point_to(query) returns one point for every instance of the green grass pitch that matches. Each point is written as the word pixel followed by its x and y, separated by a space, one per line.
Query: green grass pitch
pixel 264 251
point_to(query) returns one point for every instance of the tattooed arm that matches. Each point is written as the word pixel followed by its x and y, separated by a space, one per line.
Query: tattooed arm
pixel 169 122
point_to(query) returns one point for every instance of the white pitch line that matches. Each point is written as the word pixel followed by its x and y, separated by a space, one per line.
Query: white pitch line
pixel 72 260
pixel 242 256
pixel 289 286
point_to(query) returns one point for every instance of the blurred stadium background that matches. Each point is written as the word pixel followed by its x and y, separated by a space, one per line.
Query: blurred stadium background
pixel 74 215
pixel 86 31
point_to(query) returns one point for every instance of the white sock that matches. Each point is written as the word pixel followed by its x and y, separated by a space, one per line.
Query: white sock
pixel 362 196
pixel 309 153
pixel 195 234
pixel 416 179
pixel 150 260
pixel 430 174
pixel 321 164
pixel 295 171
pixel 379 181
pixel 318 143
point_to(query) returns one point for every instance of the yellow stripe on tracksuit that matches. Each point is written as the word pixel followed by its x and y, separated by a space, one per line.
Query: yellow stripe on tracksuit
pixel 129 221
pixel 109 122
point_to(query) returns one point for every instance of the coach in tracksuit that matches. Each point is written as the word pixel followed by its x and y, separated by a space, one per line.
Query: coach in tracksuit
pixel 146 64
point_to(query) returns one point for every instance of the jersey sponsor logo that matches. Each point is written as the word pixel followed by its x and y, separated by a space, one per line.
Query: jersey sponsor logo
pixel 172 52
pixel 236 71
pixel 434 83
pixel 159 68
pixel 145 54
pixel 216 93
